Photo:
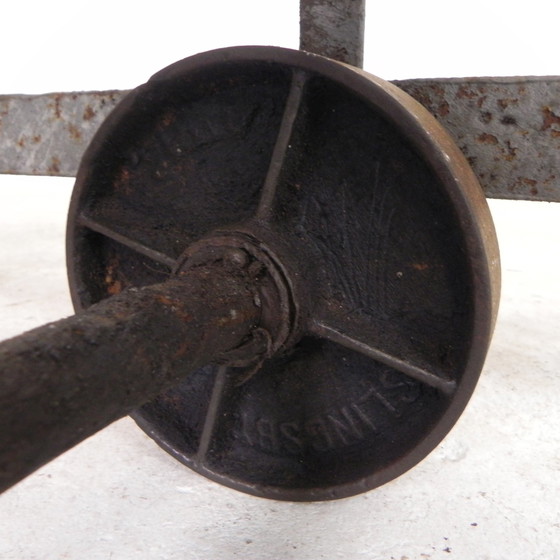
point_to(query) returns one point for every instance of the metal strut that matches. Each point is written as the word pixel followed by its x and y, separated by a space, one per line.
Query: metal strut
pixel 333 28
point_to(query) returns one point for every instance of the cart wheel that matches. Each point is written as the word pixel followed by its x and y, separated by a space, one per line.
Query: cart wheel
pixel 376 238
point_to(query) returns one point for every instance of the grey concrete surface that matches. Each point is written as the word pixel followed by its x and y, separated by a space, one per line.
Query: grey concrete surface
pixel 491 491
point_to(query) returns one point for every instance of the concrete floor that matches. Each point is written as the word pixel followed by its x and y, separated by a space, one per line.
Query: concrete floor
pixel 490 491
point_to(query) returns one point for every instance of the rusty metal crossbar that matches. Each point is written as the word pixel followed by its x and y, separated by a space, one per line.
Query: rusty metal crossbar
pixel 508 128
pixel 47 134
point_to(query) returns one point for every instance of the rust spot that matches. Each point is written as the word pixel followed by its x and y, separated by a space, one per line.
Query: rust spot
pixel 443 109
pixel 23 140
pixel 486 117
pixel 481 101
pixel 122 181
pixel 89 113
pixel 525 185
pixel 531 183
pixel 508 120
pixel 182 350
pixel 486 138
pixel 465 93
pixel 506 102
pixel 549 118
pixel 57 109
pixel 166 301
pixel 74 132
pixel 125 174
pixel 167 119
pixel 114 288
pixel 54 167
pixel 439 90
pixel 510 153
pixel 422 98
pixel 420 266
pixel 175 307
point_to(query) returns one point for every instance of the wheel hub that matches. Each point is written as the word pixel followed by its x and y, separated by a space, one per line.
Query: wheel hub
pixel 275 297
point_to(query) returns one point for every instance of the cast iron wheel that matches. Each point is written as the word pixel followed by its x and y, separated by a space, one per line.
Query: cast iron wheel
pixel 377 231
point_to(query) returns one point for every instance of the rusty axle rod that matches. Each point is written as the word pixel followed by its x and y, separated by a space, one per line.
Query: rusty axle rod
pixel 63 382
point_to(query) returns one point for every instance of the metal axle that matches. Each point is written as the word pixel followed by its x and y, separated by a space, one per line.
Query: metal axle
pixel 62 382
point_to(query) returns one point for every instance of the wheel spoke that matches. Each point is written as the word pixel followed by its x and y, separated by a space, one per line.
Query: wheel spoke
pixel 281 147
pixel 218 393
pixel 322 330
pixel 136 246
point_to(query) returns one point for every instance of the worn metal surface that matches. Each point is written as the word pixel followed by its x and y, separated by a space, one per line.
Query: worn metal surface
pixel 333 28
pixel 376 237
pixel 508 128
pixel 47 134
pixel 61 383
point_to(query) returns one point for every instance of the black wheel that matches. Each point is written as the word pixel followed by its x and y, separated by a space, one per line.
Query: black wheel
pixel 375 225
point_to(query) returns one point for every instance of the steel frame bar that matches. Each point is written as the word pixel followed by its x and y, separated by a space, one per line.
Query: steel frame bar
pixel 508 128
pixel 333 28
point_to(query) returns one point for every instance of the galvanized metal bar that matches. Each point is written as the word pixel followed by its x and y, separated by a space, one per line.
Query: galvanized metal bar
pixel 47 134
pixel 508 128
pixel 333 28
pixel 63 382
